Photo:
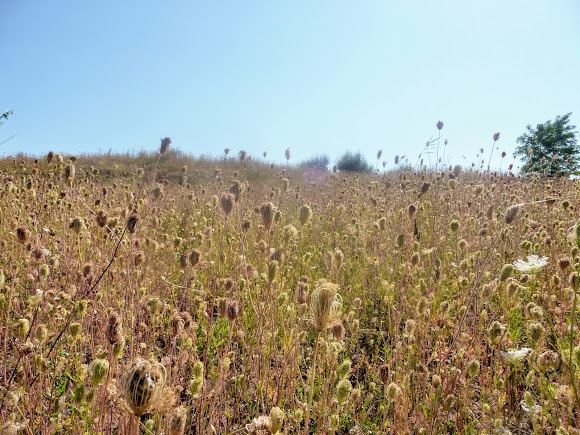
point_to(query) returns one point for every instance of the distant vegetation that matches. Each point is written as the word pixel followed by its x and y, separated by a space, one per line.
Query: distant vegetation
pixel 351 162
pixel 318 161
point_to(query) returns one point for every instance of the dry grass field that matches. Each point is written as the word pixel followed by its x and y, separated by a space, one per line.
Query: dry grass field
pixel 161 294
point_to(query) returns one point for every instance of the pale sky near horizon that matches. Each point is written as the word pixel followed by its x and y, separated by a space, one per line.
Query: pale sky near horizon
pixel 318 76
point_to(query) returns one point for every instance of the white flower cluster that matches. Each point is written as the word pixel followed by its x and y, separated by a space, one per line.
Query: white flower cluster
pixel 533 265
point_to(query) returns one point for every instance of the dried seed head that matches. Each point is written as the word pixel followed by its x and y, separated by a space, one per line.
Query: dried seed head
pixel 132 223
pixel 233 310
pixel 98 370
pixel 384 373
pixel 511 213
pixel 325 304
pixel 227 203
pixel 102 218
pixel 114 331
pixel 222 306
pixel 22 234
pixel 176 324
pixel 165 142
pixel 194 257
pixel 178 420
pixel 393 391
pixel 338 331
pixel 301 293
pixel 142 385
pixel 276 416
pixel 343 390
pixel 267 212
pixel 536 331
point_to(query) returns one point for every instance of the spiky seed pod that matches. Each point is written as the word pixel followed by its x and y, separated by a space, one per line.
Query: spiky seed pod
pixel 267 212
pixel 506 272
pixel 22 234
pixel 142 385
pixel 511 213
pixel 114 331
pixel 233 309
pixel 536 331
pixel 344 368
pixel 496 331
pixel 165 142
pixel 393 391
pixel 277 419
pixel 98 370
pixel 343 390
pixel 178 420
pixel 412 211
pixel 187 320
pixel 237 189
pixel 325 304
pixel 194 257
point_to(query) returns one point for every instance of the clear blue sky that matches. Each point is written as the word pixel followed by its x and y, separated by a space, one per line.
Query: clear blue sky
pixel 316 76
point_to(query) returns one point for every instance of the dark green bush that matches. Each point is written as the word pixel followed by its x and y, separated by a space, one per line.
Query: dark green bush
pixel 353 163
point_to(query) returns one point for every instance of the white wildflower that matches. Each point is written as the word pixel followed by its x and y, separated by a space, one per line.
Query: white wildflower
pixel 533 410
pixel 533 265
pixel 516 355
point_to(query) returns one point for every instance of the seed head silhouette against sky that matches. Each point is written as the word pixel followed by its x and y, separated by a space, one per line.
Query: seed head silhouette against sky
pixel 315 76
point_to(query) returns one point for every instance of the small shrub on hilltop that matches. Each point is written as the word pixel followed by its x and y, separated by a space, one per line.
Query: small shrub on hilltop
pixel 351 162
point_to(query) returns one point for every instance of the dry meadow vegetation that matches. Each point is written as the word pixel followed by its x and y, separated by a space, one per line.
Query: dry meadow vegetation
pixel 161 294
